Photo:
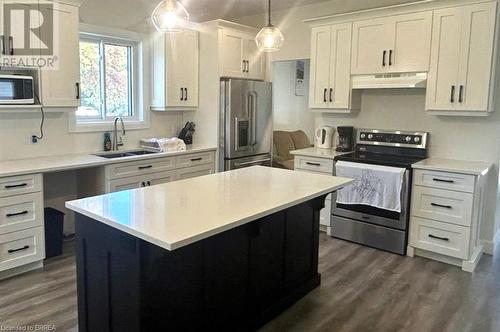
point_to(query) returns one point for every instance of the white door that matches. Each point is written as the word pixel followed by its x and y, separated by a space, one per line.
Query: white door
pixel 320 66
pixel 175 70
pixel 60 87
pixel 255 59
pixel 445 59
pixel 339 94
pixel 372 40
pixel 476 60
pixel 412 43
pixel 189 57
pixel 126 184
pixel 159 178
pixel 231 54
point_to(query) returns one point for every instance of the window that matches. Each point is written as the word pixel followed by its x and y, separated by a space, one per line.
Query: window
pixel 107 80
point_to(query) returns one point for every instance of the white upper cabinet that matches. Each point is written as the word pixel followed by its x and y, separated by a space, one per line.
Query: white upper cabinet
pixel 175 71
pixel 461 73
pixel 392 44
pixel 61 87
pixel 239 55
pixel 330 81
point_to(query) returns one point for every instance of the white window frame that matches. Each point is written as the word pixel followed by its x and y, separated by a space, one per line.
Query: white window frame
pixel 140 118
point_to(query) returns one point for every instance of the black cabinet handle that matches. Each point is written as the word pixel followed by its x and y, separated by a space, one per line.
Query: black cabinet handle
pixel 452 97
pixel 390 57
pixel 149 183
pixel 13 186
pixel 143 184
pixel 11 251
pixel 77 90
pixel 182 94
pixel 438 238
pixel 10 215
pixel 442 206
pixel 196 159
pixel 324 95
pixel 384 53
pixel 145 167
pixel 443 180
pixel 186 95
pixel 461 94
pixel 313 164
pixel 331 95
pixel 11 45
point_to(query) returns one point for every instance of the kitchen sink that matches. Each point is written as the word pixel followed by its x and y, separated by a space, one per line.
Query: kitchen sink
pixel 112 155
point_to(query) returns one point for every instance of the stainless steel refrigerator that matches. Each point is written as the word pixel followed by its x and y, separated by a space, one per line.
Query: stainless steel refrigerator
pixel 246 124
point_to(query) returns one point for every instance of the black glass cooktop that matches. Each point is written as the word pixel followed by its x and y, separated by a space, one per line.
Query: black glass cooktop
pixel 380 159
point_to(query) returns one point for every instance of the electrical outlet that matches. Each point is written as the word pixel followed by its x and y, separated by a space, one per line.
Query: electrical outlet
pixel 34 139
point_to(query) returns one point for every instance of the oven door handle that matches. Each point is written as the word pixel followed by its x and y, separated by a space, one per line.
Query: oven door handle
pixel 247 163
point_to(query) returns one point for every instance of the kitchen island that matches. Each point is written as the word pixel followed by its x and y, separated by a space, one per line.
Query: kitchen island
pixel 223 251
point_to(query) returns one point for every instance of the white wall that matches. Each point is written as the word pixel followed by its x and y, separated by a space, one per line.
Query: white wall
pixel 291 112
pixel 451 137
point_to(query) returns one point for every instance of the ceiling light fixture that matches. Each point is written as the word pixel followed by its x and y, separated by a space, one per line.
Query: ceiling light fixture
pixel 269 38
pixel 170 16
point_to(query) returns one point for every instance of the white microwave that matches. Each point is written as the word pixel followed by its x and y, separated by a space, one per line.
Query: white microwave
pixel 16 90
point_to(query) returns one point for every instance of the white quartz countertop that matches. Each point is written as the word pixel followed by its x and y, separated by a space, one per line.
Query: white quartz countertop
pixel 454 166
pixel 75 161
pixel 318 153
pixel 176 214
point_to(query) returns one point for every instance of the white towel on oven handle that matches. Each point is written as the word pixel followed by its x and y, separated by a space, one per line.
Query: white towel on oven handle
pixel 374 185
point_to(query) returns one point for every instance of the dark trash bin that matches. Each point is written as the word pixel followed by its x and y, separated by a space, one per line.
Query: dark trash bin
pixel 54 221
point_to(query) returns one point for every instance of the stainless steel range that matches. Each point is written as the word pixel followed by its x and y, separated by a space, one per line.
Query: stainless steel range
pixel 372 226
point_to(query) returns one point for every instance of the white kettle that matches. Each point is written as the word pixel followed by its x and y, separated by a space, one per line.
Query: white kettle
pixel 324 137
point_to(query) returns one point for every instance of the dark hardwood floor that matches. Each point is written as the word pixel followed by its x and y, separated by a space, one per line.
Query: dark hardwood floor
pixel 362 289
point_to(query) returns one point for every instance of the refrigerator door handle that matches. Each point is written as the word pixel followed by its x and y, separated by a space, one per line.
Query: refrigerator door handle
pixel 236 135
pixel 253 116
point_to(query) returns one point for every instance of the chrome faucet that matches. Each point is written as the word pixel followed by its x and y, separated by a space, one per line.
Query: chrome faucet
pixel 117 140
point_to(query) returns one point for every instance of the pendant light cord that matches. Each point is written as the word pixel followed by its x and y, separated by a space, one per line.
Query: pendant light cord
pixel 269 14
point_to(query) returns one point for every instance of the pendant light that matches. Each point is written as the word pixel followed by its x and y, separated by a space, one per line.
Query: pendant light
pixel 170 16
pixel 269 38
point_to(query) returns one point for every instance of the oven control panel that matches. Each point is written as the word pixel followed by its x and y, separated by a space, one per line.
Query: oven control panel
pixel 392 138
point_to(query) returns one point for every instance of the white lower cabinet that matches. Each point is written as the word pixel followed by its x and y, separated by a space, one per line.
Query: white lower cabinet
pixel 150 172
pixel 22 239
pixel 446 212
pixel 321 166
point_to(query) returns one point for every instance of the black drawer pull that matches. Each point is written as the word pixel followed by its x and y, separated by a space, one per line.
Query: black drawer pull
pixel 11 251
pixel 383 58
pixel 313 164
pixel 149 183
pixel 10 215
pixel 442 206
pixel 12 186
pixel 438 238
pixel 146 167
pixel 442 180
pixel 196 159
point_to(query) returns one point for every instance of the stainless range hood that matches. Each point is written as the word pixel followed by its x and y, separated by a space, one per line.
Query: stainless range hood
pixel 390 81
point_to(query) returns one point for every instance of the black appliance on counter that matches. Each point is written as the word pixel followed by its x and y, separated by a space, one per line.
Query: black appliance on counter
pixel 346 139
pixel 187 133
pixel 371 226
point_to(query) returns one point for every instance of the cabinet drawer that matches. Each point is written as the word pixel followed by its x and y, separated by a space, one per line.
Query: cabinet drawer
pixel 20 248
pixel 21 212
pixel 142 167
pixel 444 180
pixel 441 238
pixel 314 164
pixel 194 159
pixel 135 182
pixel 18 185
pixel 443 205
pixel 192 172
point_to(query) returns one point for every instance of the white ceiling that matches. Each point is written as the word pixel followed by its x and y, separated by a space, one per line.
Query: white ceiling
pixel 134 14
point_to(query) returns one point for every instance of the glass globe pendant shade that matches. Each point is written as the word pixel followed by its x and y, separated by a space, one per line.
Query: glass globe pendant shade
pixel 170 16
pixel 269 39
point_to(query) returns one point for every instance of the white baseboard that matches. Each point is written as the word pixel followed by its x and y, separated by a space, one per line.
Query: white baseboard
pixel 489 246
